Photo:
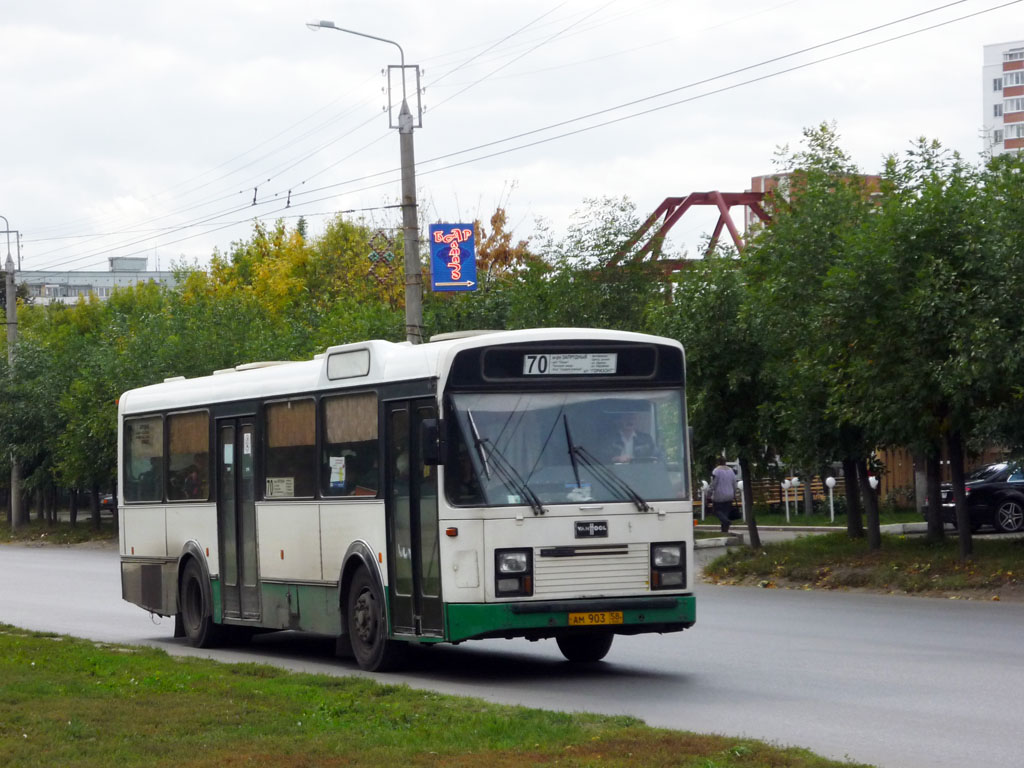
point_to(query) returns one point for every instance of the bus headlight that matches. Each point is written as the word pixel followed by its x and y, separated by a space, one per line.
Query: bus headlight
pixel 666 555
pixel 512 560
pixel 668 565
pixel 513 572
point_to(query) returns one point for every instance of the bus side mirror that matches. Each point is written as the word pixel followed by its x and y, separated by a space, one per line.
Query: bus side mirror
pixel 432 444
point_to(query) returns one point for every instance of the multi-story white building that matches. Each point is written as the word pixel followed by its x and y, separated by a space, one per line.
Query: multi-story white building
pixel 47 287
pixel 1003 89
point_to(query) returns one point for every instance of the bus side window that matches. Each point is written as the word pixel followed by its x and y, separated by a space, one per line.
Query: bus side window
pixel 188 455
pixel 143 459
pixel 290 460
pixel 348 464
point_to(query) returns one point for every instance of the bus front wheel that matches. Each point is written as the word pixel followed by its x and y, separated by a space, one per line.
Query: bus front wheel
pixel 585 648
pixel 367 624
pixel 196 614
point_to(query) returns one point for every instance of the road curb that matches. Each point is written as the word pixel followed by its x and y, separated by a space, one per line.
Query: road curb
pixel 739 537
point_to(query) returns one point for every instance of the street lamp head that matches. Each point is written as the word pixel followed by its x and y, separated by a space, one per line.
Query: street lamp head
pixel 830 482
pixel 315 25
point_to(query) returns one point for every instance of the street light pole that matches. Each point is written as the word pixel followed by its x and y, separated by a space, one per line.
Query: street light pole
pixel 410 226
pixel 12 337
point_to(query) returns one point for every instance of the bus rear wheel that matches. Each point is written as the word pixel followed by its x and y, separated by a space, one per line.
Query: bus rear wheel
pixel 196 613
pixel 585 648
pixel 367 624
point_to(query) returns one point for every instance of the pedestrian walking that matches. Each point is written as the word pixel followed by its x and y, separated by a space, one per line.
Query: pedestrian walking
pixel 723 493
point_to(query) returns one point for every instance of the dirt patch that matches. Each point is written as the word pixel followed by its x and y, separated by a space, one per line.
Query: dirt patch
pixel 1009 593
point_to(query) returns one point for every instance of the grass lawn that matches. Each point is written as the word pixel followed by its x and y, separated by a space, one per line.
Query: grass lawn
pixel 903 564
pixel 59 533
pixel 74 702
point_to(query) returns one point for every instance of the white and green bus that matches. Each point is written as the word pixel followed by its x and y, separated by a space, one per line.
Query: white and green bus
pixel 528 483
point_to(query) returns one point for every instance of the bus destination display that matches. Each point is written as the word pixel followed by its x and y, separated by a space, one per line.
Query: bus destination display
pixel 568 364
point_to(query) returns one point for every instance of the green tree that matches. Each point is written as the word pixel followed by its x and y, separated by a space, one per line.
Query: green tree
pixel 725 368
pixel 925 287
pixel 821 201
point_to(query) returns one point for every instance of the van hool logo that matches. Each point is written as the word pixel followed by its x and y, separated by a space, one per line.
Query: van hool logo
pixel 591 529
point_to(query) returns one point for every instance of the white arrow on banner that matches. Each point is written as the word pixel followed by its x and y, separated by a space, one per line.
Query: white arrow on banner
pixel 464 282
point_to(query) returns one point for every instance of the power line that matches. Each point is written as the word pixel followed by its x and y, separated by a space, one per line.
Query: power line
pixel 693 98
pixel 317 150
pixel 255 183
pixel 632 103
pixel 295 162
pixel 675 90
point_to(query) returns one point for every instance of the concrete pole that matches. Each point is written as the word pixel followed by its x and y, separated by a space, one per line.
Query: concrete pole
pixel 410 226
pixel 12 337
pixel 410 230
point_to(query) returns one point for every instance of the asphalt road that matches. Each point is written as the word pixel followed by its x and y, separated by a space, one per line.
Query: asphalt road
pixel 899 682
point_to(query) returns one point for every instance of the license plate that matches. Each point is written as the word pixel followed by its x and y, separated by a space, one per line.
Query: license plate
pixel 596 618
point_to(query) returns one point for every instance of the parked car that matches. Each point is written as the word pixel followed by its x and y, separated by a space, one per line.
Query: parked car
pixel 995 497
pixel 108 502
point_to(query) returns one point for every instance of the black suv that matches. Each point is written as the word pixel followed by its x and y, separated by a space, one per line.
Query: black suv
pixel 995 496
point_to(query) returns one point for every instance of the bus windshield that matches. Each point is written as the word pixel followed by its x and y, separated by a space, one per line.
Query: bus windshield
pixel 564 448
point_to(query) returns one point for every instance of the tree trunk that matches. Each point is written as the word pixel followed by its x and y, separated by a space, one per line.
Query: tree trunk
pixel 24 507
pixel 73 507
pixel 954 442
pixel 40 505
pixel 94 505
pixel 748 503
pixel 51 504
pixel 870 506
pixel 808 497
pixel 933 480
pixel 854 523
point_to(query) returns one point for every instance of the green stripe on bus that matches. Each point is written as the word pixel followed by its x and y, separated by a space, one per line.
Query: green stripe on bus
pixel 218 605
pixel 468 620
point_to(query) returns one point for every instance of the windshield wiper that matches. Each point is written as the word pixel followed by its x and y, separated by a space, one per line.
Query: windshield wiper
pixel 503 468
pixel 609 478
pixel 478 443
pixel 572 450
pixel 508 475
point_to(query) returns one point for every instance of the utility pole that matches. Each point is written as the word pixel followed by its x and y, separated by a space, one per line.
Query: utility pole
pixel 410 225
pixel 12 337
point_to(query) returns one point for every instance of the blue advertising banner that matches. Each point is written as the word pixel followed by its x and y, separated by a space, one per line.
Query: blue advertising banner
pixel 452 257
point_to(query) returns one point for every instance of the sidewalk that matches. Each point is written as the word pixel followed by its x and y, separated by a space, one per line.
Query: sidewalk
pixel 737 535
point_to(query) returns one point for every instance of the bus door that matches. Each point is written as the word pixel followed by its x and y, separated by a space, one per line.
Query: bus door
pixel 236 518
pixel 413 547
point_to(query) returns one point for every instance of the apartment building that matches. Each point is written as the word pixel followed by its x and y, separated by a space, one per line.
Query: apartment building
pixel 1003 99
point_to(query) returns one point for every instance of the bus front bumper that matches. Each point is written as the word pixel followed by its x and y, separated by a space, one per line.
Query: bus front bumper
pixel 541 619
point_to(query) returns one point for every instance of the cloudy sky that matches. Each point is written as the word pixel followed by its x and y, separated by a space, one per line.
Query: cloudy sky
pixel 150 127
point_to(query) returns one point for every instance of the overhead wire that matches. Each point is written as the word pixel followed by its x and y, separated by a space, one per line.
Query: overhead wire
pixel 661 94
pixel 230 160
pixel 305 157
pixel 693 98
pixel 291 164
pixel 648 98
pixel 295 162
